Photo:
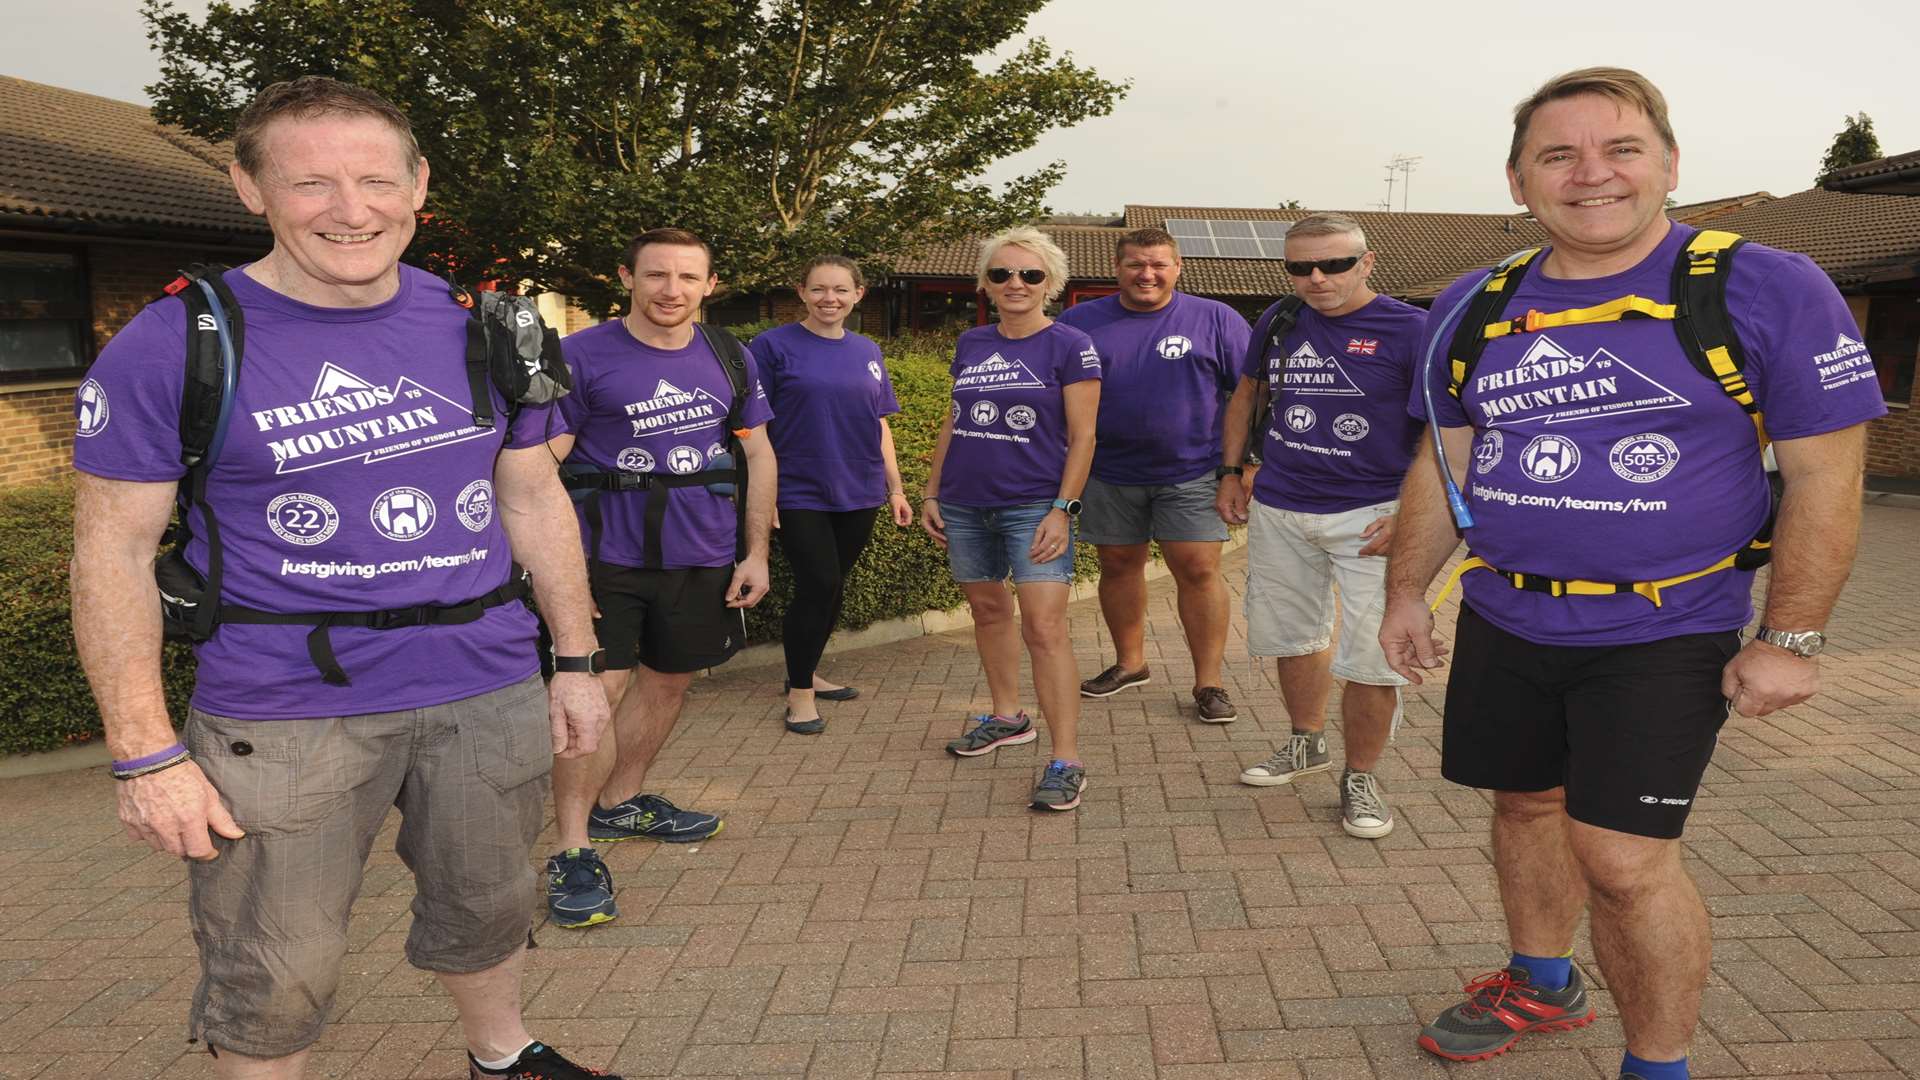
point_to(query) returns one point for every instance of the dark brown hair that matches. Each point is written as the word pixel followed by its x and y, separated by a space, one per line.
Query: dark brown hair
pixel 1144 238
pixel 669 236
pixel 1619 85
pixel 841 261
pixel 305 98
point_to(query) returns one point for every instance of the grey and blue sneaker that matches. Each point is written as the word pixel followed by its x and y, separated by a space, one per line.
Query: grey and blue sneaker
pixel 990 733
pixel 1059 787
pixel 1363 806
pixel 1305 752
pixel 579 889
pixel 650 817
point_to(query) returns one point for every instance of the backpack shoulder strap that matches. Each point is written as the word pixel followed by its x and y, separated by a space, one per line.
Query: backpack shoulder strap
pixel 215 339
pixel 1285 315
pixel 1487 306
pixel 479 354
pixel 733 360
pixel 1702 321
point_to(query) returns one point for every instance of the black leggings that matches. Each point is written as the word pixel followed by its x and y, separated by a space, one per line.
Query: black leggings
pixel 821 546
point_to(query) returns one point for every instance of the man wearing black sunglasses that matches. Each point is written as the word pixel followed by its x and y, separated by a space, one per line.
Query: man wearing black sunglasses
pixel 1167 359
pixel 1322 508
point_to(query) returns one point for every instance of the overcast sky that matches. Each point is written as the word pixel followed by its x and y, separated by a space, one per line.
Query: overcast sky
pixel 1253 102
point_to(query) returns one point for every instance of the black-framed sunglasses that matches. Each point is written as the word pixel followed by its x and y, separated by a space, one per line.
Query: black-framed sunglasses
pixel 1000 275
pixel 1329 267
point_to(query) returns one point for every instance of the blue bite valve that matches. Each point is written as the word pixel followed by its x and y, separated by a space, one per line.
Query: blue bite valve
pixel 1457 502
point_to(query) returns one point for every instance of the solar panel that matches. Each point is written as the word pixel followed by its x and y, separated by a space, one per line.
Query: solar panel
pixel 1220 238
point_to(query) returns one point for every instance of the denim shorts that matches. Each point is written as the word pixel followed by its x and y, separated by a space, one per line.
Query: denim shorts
pixel 988 543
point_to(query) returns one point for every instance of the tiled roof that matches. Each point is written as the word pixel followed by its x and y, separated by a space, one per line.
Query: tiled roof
pixel 1853 237
pixel 1089 251
pixel 67 157
pixel 1698 212
pixel 1413 247
pixel 1896 175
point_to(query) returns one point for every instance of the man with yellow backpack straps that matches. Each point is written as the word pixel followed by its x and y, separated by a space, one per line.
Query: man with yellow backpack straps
pixel 1605 401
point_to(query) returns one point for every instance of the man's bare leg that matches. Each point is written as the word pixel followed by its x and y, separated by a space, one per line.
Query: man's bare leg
pixel 1541 887
pixel 228 1065
pixel 489 1005
pixel 1201 594
pixel 644 718
pixel 1650 935
pixel 1366 722
pixel 577 781
pixel 1305 683
pixel 1123 601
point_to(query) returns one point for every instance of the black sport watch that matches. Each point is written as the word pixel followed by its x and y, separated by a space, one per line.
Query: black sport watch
pixel 593 663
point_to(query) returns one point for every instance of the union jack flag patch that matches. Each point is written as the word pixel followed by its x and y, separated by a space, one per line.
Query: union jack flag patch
pixel 1363 346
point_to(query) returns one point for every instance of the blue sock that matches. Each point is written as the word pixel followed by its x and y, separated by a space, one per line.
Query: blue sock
pixel 1654 1070
pixel 1546 972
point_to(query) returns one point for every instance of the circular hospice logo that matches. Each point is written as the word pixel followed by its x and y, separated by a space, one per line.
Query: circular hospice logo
pixel 1550 459
pixel 873 369
pixel 1350 427
pixel 403 513
pixel 474 507
pixel 1299 417
pixel 1488 451
pixel 303 519
pixel 90 409
pixel 1173 347
pixel 983 413
pixel 1642 459
pixel 1022 418
pixel 684 459
pixel 955 402
pixel 634 459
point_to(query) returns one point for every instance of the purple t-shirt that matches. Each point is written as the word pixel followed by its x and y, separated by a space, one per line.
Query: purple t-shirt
pixel 352 479
pixel 1601 453
pixel 1009 442
pixel 828 395
pixel 1340 437
pixel 1165 376
pixel 639 409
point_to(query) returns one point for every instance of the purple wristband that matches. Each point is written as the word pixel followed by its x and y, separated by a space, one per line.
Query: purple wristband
pixel 154 758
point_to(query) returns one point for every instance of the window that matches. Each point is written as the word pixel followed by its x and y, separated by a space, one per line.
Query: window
pixel 1893 337
pixel 45 325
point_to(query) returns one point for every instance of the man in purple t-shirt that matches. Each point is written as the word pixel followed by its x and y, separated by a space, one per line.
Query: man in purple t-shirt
pixel 1336 443
pixel 1613 483
pixel 1167 360
pixel 371 650
pixel 644 434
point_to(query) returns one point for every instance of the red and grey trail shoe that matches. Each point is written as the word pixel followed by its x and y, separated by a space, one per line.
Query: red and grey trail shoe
pixel 1499 1009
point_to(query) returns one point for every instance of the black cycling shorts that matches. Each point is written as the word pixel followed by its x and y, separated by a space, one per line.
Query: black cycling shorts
pixel 672 621
pixel 1627 729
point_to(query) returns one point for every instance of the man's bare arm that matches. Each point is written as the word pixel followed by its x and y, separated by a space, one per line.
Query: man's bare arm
pixel 1423 540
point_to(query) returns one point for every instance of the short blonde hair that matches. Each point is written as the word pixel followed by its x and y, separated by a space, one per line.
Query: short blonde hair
pixel 1035 241
pixel 1621 86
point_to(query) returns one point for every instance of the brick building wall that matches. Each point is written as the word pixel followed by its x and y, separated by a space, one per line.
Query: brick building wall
pixel 1893 443
pixel 36 432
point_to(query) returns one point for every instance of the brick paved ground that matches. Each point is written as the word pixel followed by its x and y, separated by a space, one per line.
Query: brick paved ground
pixel 876 908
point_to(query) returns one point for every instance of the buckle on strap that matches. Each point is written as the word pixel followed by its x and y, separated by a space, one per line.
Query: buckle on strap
pixel 395 618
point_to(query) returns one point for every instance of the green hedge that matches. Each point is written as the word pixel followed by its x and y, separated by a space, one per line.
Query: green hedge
pixel 44 700
pixel 45 703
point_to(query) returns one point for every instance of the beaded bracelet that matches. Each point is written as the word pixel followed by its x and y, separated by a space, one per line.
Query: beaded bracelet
pixel 152 763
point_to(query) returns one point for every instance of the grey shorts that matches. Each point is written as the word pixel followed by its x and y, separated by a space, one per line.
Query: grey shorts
pixel 1137 513
pixel 270 914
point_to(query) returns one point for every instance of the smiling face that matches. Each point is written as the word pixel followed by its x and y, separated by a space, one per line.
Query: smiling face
pixel 1331 294
pixel 830 294
pixel 1147 276
pixel 1014 297
pixel 667 283
pixel 340 194
pixel 1596 175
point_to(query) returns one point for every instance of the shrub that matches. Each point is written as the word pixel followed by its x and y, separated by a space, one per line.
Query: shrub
pixel 44 700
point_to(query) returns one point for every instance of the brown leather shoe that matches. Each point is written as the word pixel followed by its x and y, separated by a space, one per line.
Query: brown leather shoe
pixel 1113 680
pixel 1215 707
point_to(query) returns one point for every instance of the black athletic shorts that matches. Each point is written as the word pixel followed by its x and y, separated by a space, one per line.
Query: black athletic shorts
pixel 672 621
pixel 1627 729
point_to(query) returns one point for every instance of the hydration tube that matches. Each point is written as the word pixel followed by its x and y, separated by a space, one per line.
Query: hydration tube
pixel 1456 502
pixel 229 372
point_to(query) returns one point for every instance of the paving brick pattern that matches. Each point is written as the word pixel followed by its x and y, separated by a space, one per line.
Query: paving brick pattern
pixel 876 908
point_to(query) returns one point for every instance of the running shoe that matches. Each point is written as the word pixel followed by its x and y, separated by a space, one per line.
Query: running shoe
pixel 1499 1009
pixel 990 733
pixel 1113 680
pixel 1214 705
pixel 1363 806
pixel 650 817
pixel 579 889
pixel 536 1062
pixel 1059 787
pixel 1305 752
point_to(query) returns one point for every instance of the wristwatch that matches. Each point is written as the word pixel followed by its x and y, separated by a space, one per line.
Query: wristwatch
pixel 593 663
pixel 1224 471
pixel 1805 644
pixel 1071 506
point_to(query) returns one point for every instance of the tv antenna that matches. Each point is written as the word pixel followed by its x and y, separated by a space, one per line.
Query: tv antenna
pixel 1404 164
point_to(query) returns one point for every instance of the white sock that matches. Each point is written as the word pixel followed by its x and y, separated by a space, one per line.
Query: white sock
pixel 501 1065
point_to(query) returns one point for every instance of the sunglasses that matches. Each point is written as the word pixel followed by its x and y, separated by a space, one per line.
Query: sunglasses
pixel 1000 275
pixel 1329 267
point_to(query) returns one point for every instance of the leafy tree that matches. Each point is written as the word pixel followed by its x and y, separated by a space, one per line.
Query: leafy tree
pixel 1291 204
pixel 555 129
pixel 1855 143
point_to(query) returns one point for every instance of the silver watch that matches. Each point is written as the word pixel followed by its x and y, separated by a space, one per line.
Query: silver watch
pixel 1805 644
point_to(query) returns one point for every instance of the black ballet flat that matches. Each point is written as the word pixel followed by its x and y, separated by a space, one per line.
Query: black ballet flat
pixel 845 693
pixel 805 727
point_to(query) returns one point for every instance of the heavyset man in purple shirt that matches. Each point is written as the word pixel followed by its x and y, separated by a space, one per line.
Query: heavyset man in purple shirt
pixel 1168 362
pixel 354 478
pixel 1320 516
pixel 1594 452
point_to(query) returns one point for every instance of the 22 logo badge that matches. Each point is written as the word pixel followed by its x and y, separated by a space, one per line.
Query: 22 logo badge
pixel 303 519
